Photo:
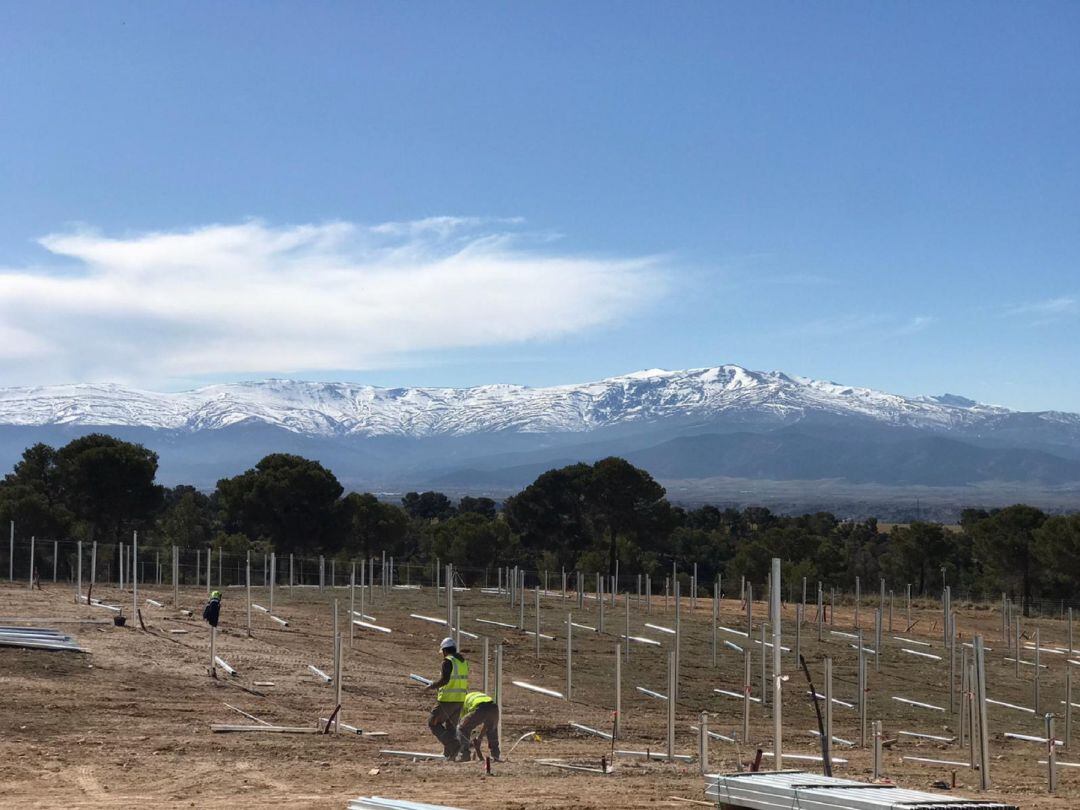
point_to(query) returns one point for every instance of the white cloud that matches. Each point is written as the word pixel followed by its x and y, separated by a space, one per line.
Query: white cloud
pixel 915 324
pixel 1062 305
pixel 252 298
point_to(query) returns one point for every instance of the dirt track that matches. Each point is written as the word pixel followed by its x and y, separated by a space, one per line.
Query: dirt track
pixel 129 723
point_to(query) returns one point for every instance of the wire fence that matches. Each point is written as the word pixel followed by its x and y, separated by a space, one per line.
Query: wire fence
pixel 69 561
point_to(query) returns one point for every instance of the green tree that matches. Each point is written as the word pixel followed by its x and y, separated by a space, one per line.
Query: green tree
pixel 1057 548
pixel 916 554
pixel 428 505
pixel 108 485
pixel 551 515
pixel 188 519
pixel 373 526
pixel 626 501
pixel 472 541
pixel 1004 544
pixel 289 501
pixel 480 506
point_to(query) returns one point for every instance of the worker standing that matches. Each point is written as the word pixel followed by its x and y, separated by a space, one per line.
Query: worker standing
pixel 479 711
pixel 452 686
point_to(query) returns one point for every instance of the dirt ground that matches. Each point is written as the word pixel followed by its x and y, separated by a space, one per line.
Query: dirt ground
pixel 128 723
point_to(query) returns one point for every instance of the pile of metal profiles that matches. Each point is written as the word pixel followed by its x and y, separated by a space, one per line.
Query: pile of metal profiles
pixel 37 638
pixel 379 803
pixel 809 791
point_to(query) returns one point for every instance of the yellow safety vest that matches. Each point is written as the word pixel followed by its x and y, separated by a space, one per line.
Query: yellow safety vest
pixel 474 699
pixel 458 685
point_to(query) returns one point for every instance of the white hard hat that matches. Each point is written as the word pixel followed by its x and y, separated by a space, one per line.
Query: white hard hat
pixel 448 644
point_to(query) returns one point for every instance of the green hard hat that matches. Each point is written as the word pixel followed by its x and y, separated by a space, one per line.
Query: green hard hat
pixel 215 594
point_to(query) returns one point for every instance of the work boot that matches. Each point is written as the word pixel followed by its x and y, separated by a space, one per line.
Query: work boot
pixel 465 755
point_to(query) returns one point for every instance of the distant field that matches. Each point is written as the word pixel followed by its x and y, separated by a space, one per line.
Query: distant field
pixel 885 528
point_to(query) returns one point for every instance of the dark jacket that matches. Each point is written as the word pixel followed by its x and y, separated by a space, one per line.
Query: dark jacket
pixel 212 611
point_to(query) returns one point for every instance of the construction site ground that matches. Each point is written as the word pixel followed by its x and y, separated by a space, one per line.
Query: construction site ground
pixel 128 722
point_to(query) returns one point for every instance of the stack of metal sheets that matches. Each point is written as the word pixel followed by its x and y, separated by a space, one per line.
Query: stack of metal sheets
pixel 809 791
pixel 37 638
pixel 379 803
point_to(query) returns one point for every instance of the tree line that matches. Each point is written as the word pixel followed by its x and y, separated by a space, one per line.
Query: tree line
pixel 581 517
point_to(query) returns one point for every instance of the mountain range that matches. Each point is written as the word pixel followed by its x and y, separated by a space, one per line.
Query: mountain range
pixel 724 423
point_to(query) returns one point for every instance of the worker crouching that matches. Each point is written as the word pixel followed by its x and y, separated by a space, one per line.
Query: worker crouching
pixel 452 687
pixel 479 711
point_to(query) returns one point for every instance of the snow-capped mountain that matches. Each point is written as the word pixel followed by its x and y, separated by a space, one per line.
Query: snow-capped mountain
pixel 640 398
pixel 707 425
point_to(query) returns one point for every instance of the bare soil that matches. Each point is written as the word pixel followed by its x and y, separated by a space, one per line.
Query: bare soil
pixel 128 723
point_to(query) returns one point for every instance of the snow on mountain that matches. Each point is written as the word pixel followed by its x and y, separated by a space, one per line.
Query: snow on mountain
pixel 338 409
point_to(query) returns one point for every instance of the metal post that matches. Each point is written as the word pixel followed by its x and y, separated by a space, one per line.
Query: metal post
pixel 1016 660
pixel 31 562
pixel 747 670
pixel 134 575
pixel 338 667
pixel 55 555
pixel 1037 679
pixel 617 730
pixel 965 688
pixel 175 576
pixel 78 586
pixel 537 592
pixel 765 691
pixel 715 615
pixel 984 729
pixel 521 600
pixel 749 609
pixel 600 602
pixel 877 749
pixel 798 631
pixel 778 703
pixel 678 637
pixel 671 707
pixel 1051 753
pixel 247 587
pixel 703 743
pixel 11 553
pixel 499 688
pixel 627 650
pixel 487 655
pixel 291 579
pixel 858 600
pixel 820 610
pixel 828 709
pixel 209 555
pixel 569 655
pixel 1068 708
pixel 862 693
pixel 877 639
pixel 352 607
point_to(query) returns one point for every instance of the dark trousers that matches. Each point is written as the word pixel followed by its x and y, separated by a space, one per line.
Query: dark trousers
pixel 443 724
pixel 486 718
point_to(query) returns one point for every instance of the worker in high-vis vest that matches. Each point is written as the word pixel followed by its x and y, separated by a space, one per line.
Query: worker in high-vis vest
pixel 479 711
pixel 451 689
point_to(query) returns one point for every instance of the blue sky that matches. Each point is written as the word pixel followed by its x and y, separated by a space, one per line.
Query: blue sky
pixel 881 194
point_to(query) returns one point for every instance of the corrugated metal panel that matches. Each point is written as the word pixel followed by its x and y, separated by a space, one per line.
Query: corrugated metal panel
pixel 810 791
